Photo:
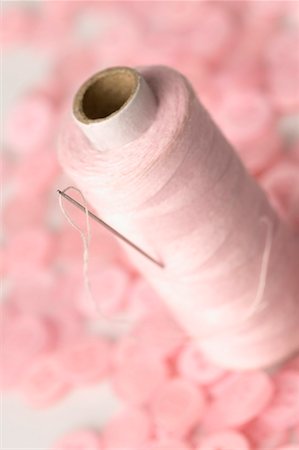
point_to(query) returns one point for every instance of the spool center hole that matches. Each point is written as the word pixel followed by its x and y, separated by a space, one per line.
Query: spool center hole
pixel 108 94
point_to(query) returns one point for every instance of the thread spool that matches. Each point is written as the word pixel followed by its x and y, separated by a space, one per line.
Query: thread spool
pixel 110 107
pixel 177 188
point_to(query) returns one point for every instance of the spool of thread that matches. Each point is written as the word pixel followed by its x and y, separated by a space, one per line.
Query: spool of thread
pixel 153 164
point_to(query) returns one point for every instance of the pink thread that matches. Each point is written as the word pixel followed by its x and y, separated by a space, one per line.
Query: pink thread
pixel 86 237
pixel 180 191
pixel 215 315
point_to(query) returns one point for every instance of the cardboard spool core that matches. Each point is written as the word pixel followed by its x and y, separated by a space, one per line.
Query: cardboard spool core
pixel 105 94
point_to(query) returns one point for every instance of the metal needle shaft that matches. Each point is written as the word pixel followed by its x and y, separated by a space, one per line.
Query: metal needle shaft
pixel 108 227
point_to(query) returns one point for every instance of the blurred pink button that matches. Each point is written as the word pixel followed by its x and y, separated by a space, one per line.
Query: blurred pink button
pixel 240 401
pixel 263 436
pixel 34 293
pixel 159 333
pixel 15 26
pixel 142 298
pixel 219 387
pixel 293 363
pixel 282 185
pixel 125 348
pixel 214 33
pixel 109 287
pixel 28 249
pixel 25 337
pixel 289 447
pixel 37 172
pixel 79 440
pixel 84 361
pixel 167 444
pixel 282 73
pixel 69 244
pixel 195 367
pixel 295 152
pixel 283 411
pixel 129 430
pixel 178 407
pixel 247 119
pixel 224 440
pixel 139 377
pixel 30 124
pixel 278 48
pixel 31 211
pixel 68 325
pixel 245 115
pixel 68 286
pixel 2 262
pixel 283 85
pixel 44 384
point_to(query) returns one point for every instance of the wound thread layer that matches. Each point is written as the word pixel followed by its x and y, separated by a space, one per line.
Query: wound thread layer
pixel 180 192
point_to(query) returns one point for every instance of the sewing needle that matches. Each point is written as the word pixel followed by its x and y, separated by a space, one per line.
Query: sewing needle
pixel 108 227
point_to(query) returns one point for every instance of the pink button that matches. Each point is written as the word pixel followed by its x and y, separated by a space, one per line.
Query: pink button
pixel 81 63
pixel 282 79
pixel 177 408
pixel 289 447
pixel 268 11
pixel 30 124
pixel 160 334
pixel 28 249
pixel 282 185
pixel 219 387
pixel 68 287
pixel 125 348
pixel 225 440
pixel 15 27
pixel 79 440
pixel 128 430
pixel 37 172
pixel 283 88
pixel 139 378
pixel 293 363
pixel 240 402
pixel 109 287
pixel 295 152
pixel 69 244
pixel 85 361
pixel 247 119
pixel 278 47
pixel 24 338
pixel 214 33
pixel 168 444
pixel 44 384
pixel 2 262
pixel 265 437
pixel 245 115
pixel 180 18
pixel 34 294
pixel 68 325
pixel 283 411
pixel 195 367
pixel 31 212
pixel 25 332
pixel 58 16
pixel 143 299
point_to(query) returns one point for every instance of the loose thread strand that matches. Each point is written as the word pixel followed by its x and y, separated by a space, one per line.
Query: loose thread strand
pixel 86 238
